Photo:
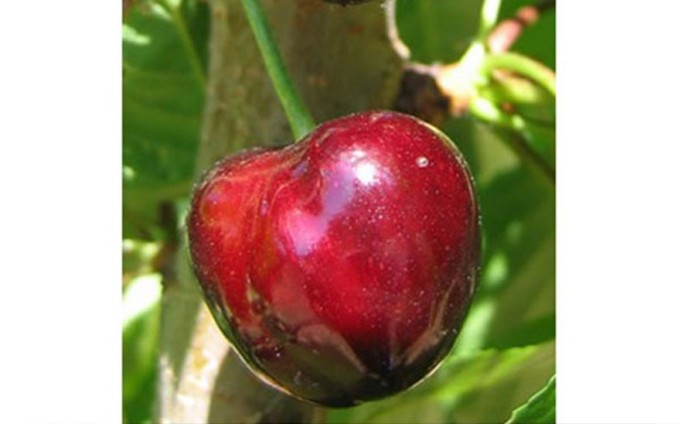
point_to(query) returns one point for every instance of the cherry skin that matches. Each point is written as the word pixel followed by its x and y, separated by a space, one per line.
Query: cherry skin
pixel 340 267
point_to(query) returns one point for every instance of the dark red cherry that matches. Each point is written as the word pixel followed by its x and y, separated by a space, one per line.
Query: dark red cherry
pixel 340 267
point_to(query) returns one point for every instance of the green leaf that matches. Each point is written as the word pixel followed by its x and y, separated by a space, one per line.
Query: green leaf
pixel 440 31
pixel 539 409
pixel 138 256
pixel 436 30
pixel 480 387
pixel 164 56
pixel 141 322
pixel 515 301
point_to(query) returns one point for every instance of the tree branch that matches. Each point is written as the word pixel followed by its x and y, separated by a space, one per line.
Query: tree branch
pixel 201 378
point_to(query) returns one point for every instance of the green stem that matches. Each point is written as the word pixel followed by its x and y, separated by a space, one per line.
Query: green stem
pixel 477 51
pixel 472 59
pixel 298 116
pixel 489 14
pixel 518 91
pixel 524 66
pixel 487 111
pixel 189 46
pixel 513 126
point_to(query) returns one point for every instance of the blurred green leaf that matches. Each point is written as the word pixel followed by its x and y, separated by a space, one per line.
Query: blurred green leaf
pixel 539 409
pixel 527 98
pixel 515 302
pixel 164 54
pixel 542 138
pixel 138 256
pixel 440 31
pixel 436 30
pixel 483 386
pixel 141 321
pixel 522 239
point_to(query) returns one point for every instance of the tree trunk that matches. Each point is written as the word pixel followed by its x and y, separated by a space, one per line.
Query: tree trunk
pixel 341 60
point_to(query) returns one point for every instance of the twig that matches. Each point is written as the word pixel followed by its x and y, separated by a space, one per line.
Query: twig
pixel 521 65
pixel 393 32
pixel 517 142
pixel 507 31
pixel 488 16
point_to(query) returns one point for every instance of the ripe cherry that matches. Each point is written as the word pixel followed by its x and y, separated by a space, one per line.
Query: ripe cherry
pixel 340 267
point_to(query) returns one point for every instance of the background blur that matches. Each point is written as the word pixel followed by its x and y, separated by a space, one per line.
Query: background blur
pixel 506 351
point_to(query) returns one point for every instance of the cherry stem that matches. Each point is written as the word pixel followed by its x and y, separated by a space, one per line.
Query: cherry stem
pixel 521 65
pixel 475 53
pixel 488 17
pixel 516 128
pixel 517 91
pixel 298 115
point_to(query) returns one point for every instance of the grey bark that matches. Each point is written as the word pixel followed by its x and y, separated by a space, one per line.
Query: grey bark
pixel 342 61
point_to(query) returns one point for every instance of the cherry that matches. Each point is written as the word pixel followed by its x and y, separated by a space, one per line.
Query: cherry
pixel 340 267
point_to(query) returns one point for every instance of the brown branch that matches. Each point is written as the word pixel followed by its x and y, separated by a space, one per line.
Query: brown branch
pixel 507 31
pixel 393 32
pixel 201 379
pixel 421 96
pixel 518 144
